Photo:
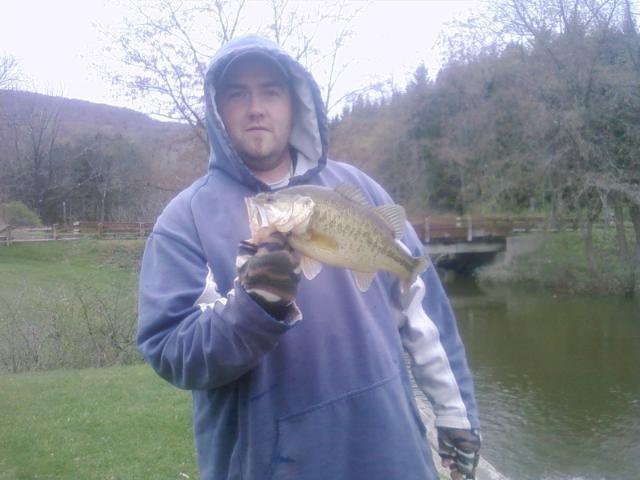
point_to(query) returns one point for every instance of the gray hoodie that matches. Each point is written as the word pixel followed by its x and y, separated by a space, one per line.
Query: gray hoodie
pixel 328 397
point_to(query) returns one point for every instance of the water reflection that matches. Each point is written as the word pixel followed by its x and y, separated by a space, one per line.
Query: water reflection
pixel 557 380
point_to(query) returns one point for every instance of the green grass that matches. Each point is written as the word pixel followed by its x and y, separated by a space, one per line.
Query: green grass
pixel 108 424
pixel 561 264
pixel 68 304
pixel 73 304
pixel 68 262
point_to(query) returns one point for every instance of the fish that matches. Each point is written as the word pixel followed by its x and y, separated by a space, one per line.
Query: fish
pixel 337 227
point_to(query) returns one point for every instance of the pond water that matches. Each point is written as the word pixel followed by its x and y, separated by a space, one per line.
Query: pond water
pixel 557 380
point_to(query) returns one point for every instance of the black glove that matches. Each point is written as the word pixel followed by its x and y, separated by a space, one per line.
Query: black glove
pixel 269 272
pixel 458 449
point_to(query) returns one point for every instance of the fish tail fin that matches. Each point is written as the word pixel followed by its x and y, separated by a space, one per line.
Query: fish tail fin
pixel 420 264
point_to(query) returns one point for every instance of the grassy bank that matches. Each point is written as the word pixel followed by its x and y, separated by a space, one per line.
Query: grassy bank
pixel 561 264
pixel 68 304
pixel 107 424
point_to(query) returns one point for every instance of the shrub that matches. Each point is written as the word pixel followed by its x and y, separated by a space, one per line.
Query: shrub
pixel 84 326
pixel 560 264
pixel 17 214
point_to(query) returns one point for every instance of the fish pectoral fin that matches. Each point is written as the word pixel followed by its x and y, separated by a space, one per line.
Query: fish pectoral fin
pixel 310 267
pixel 394 216
pixel 321 241
pixel 363 280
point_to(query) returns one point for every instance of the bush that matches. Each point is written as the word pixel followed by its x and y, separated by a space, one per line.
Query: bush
pixel 560 264
pixel 68 304
pixel 86 326
pixel 17 214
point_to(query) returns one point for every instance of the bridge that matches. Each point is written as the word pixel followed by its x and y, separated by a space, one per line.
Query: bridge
pixel 462 243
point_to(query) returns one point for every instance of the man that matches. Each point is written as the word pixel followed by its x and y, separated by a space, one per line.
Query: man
pixel 292 379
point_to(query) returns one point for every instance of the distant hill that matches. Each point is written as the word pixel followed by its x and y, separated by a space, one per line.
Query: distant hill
pixel 173 155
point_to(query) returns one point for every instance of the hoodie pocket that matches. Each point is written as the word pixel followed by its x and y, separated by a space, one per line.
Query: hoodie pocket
pixel 367 433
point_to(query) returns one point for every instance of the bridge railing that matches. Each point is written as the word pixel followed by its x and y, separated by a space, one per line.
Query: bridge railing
pixel 443 228
pixel 433 228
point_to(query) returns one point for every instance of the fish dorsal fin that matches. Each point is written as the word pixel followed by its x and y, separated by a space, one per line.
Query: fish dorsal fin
pixel 363 280
pixel 353 193
pixel 394 216
pixel 310 267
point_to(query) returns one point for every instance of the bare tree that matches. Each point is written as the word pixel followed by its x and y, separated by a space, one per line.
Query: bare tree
pixel 297 29
pixel 106 174
pixel 31 166
pixel 8 71
pixel 582 70
pixel 164 62
pixel 165 47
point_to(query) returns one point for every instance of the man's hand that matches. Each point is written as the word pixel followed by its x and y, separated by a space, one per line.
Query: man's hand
pixel 270 273
pixel 458 449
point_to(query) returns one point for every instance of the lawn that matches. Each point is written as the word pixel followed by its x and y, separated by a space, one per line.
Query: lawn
pixel 73 304
pixel 52 264
pixel 68 304
pixel 109 424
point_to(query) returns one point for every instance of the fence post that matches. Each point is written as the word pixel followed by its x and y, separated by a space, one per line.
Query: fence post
pixel 469 229
pixel 8 240
pixel 427 230
pixel 100 229
pixel 54 231
pixel 140 230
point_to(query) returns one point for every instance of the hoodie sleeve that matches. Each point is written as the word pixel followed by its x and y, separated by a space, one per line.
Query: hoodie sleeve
pixel 438 360
pixel 430 337
pixel 190 334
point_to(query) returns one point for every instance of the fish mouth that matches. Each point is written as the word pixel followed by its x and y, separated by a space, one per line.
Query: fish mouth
pixel 255 211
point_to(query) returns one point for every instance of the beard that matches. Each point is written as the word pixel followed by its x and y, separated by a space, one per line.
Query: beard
pixel 262 155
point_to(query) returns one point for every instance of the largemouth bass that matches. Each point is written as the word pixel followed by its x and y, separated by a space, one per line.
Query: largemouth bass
pixel 338 227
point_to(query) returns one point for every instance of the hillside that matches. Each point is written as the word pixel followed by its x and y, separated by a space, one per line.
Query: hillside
pixel 171 155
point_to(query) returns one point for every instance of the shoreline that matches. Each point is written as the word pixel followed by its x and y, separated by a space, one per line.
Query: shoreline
pixel 558 263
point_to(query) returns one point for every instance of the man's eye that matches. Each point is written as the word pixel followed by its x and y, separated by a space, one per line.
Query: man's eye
pixel 235 94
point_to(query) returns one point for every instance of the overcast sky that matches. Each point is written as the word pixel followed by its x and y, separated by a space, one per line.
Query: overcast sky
pixel 56 42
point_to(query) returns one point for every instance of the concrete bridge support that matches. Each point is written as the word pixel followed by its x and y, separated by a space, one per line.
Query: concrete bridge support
pixel 465 256
pixel 521 244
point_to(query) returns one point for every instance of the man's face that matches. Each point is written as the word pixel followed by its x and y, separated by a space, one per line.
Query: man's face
pixel 256 108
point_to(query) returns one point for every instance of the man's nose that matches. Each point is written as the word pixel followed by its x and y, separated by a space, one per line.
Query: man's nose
pixel 256 105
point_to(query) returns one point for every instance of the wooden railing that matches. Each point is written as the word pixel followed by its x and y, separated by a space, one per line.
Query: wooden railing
pixel 74 231
pixel 435 228
pixel 439 228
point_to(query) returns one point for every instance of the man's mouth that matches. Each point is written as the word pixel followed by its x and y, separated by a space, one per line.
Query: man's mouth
pixel 258 129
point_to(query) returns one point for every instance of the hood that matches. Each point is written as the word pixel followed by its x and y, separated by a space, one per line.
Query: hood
pixel 309 136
